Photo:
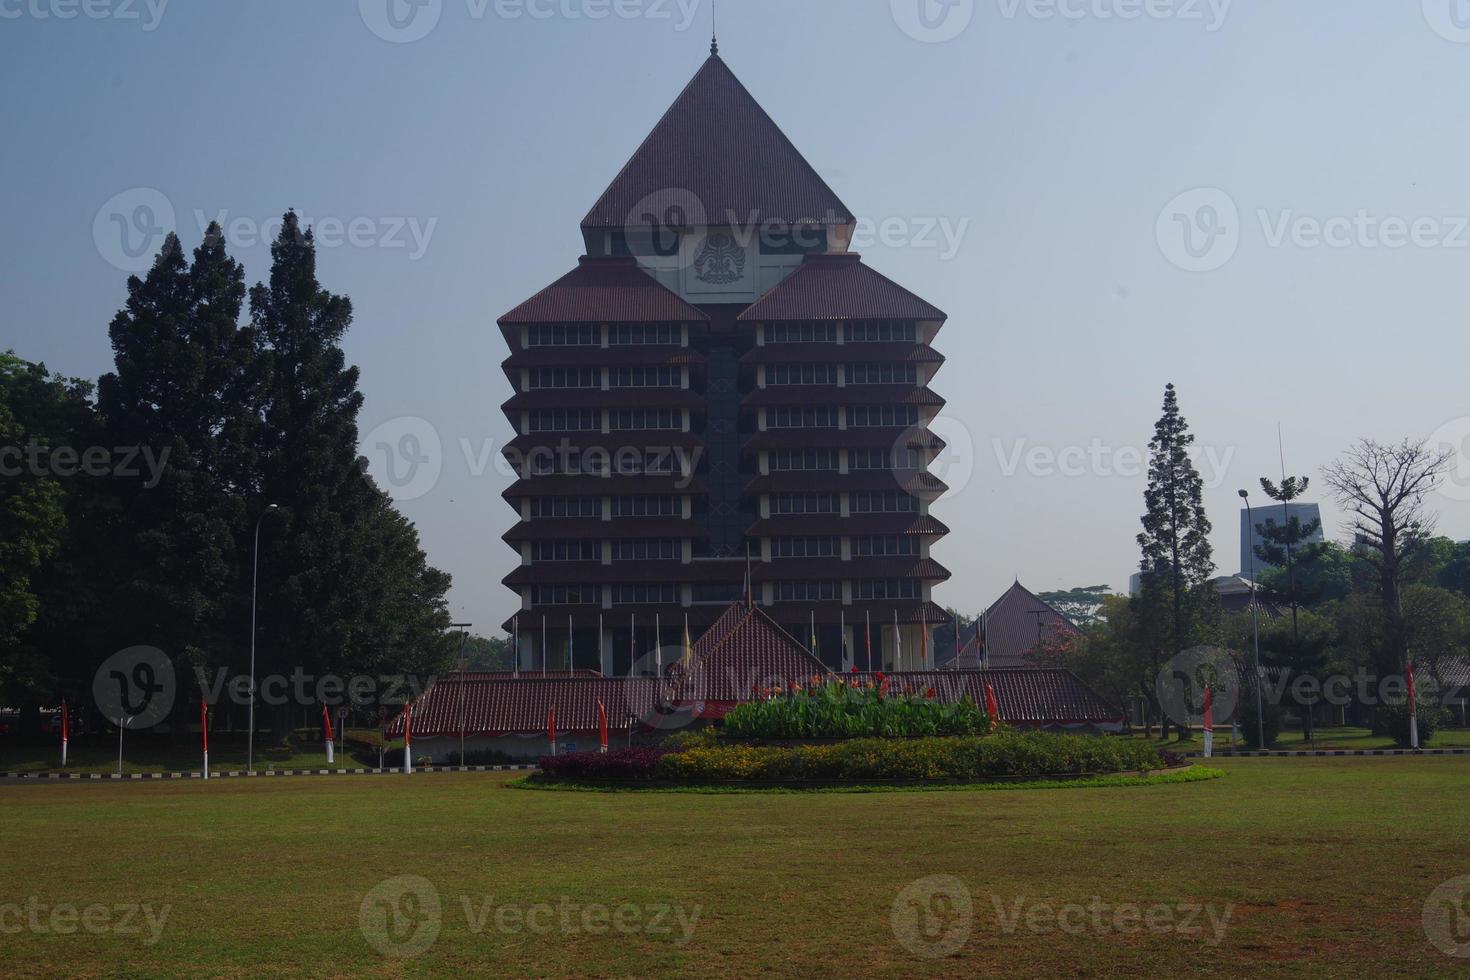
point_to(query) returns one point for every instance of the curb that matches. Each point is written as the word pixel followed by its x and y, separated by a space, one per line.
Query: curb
pixel 240 774
pixel 1312 753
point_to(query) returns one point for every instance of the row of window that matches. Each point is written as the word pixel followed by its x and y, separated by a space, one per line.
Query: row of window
pixel 590 419
pixel 672 505
pixel 793 460
pixel 598 462
pixel 590 334
pixel 632 506
pixel 856 332
pixel 667 593
pixel 863 502
pixel 857 374
pixel 858 417
pixel 671 549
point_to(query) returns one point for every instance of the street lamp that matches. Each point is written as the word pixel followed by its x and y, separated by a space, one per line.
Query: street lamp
pixel 254 580
pixel 1255 623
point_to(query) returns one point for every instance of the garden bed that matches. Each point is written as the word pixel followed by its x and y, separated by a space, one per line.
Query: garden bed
pixel 1007 756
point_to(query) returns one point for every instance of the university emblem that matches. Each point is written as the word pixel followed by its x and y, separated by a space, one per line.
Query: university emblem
pixel 720 260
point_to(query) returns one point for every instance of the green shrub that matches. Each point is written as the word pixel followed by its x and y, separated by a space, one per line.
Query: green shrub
pixel 1392 719
pixel 692 738
pixel 841 709
pixel 1246 713
pixel 1006 754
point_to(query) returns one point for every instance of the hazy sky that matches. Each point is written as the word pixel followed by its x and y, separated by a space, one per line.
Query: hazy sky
pixel 1321 147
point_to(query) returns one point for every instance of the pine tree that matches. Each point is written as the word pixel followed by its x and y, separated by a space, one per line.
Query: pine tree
pixel 1177 605
pixel 344 586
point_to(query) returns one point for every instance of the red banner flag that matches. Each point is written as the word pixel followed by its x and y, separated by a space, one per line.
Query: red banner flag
pixel 327 721
pixel 204 734
pixel 64 731
pixel 1209 722
pixel 991 707
pixel 923 643
pixel 1413 711
pixel 408 737
pixel 1413 701
pixel 551 728
pixel 602 725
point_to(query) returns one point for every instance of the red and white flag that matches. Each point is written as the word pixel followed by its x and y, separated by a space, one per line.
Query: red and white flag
pixel 204 734
pixel 551 728
pixel 64 733
pixel 602 726
pixel 991 707
pixel 1209 722
pixel 327 727
pixel 408 737
pixel 1413 711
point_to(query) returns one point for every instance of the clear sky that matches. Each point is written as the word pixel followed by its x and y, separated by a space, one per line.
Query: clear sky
pixel 1051 138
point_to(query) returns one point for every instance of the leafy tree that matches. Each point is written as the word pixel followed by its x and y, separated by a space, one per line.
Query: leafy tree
pixel 1331 575
pixel 1383 487
pixel 488 653
pixel 1081 605
pixel 1454 573
pixel 1178 607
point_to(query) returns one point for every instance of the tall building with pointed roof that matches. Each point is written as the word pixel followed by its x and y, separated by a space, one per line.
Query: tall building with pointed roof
pixel 720 393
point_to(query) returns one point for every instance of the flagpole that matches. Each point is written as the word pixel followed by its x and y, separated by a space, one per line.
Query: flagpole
pixel 897 644
pixel 599 643
pixel 842 635
pixel 571 664
pixel 64 732
pixel 408 739
pixel 543 646
pixel 868 636
pixel 515 652
pixel 632 644
pixel 327 726
pixel 658 646
pixel 203 733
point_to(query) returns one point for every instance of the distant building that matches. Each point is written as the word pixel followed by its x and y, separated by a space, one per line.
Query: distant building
pixel 1250 537
pixel 1010 631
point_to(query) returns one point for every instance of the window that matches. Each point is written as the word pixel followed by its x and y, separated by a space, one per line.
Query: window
pixel 882 331
pixel 783 460
pixel 884 502
pixel 894 588
pixel 565 420
pixel 629 461
pixel 628 595
pixel 637 334
pixel 801 374
pixel 557 377
pixel 647 377
pixel 566 595
pixel 632 419
pixel 821 547
pixel 882 374
pixel 649 506
pixel 564 335
pixel 716 592
pixel 566 507
pixel 879 545
pixel 883 459
pixel 648 549
pixel 801 418
pixel 867 416
pixel 802 332
pixel 566 551
pixel 806 591
pixel 805 503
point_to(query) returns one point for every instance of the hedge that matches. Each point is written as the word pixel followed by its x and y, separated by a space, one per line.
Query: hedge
pixel 1005 755
pixel 842 709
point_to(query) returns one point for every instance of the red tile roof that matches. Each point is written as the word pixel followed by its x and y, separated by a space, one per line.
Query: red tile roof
pixel 837 286
pixel 716 146
pixel 745 649
pixel 604 291
pixel 1050 696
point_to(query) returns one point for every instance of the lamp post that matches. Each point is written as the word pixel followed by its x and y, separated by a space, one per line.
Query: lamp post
pixel 1255 625
pixel 254 580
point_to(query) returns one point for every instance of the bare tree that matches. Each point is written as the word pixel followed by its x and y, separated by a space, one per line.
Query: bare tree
pixel 1383 487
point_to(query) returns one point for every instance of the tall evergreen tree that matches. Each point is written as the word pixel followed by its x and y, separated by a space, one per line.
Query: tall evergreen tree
pixel 178 393
pixel 344 586
pixel 1177 605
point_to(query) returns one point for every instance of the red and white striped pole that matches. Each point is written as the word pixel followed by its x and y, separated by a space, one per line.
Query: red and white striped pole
pixel 1413 711
pixel 1209 722
pixel 551 728
pixel 204 734
pixel 992 708
pixel 602 727
pixel 327 727
pixel 408 738
pixel 64 733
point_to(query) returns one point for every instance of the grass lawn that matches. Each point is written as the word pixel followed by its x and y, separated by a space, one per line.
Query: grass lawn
pixel 1311 866
pixel 1324 738
pixel 147 752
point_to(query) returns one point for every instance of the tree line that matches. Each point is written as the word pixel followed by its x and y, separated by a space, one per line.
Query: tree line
pixel 1394 593
pixel 130 509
